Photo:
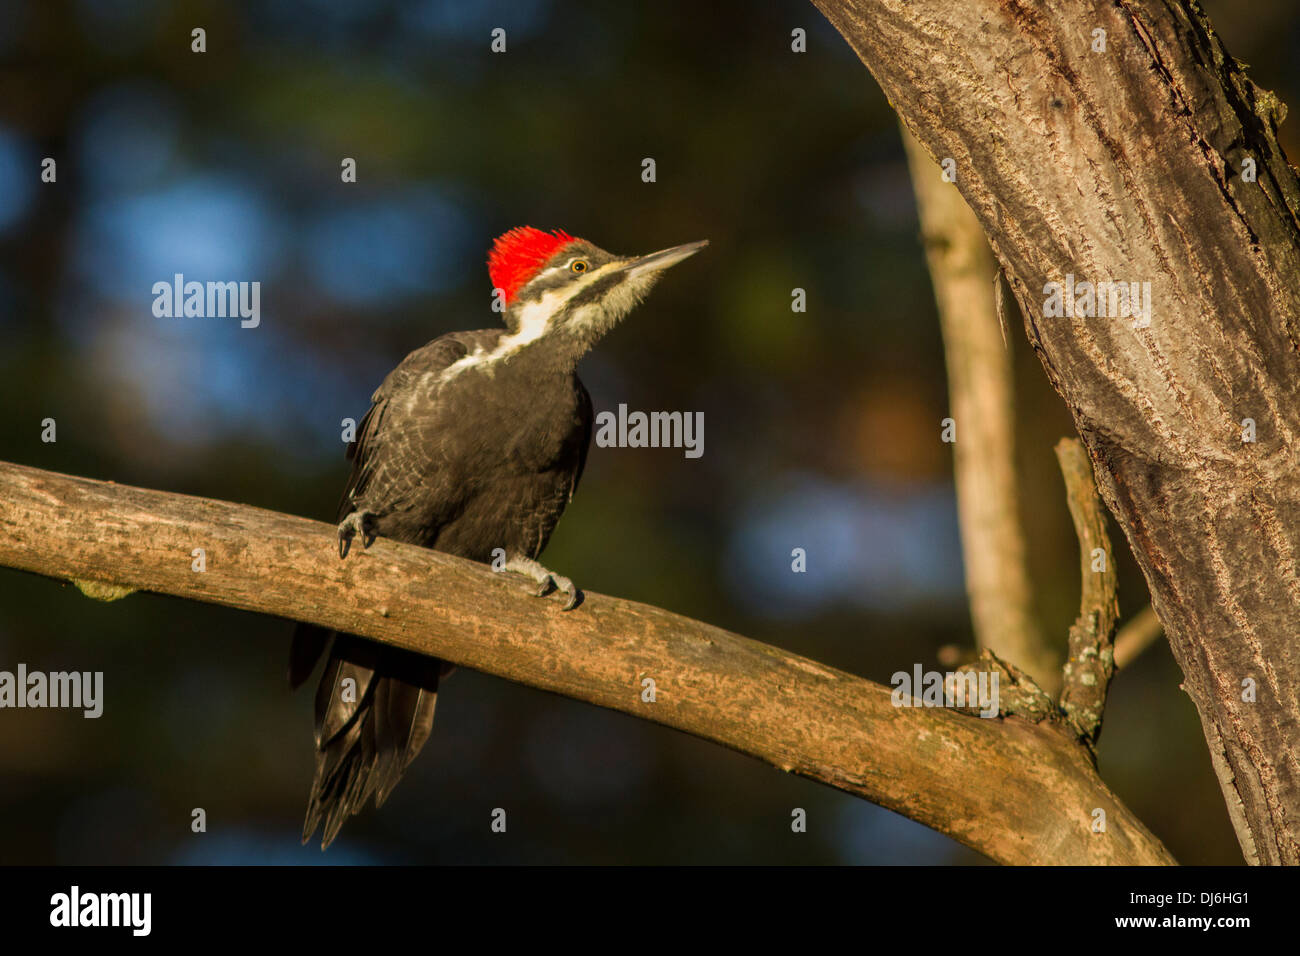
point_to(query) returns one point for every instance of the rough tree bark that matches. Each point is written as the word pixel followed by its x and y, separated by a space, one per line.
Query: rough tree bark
pixel 934 765
pixel 1124 161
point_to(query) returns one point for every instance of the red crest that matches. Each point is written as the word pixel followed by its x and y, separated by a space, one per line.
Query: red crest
pixel 517 256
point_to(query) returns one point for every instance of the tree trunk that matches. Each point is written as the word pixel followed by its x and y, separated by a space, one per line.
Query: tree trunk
pixel 1118 156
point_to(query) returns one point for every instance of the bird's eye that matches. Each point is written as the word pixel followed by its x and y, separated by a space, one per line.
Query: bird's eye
pixel 579 265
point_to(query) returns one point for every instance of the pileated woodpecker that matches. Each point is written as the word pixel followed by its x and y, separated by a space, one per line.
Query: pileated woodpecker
pixel 475 442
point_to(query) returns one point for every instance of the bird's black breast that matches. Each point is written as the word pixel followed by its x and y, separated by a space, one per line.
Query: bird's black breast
pixel 475 456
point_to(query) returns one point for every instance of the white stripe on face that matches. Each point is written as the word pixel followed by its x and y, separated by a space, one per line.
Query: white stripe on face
pixel 537 318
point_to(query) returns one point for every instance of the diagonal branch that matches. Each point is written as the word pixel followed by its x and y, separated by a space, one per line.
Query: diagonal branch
pixel 1141 631
pixel 1015 791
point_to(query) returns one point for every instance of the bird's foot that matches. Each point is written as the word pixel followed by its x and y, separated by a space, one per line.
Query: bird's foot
pixel 547 581
pixel 358 523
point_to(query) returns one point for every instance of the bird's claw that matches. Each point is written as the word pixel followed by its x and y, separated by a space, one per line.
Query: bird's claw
pixel 548 582
pixel 357 523
pixel 557 582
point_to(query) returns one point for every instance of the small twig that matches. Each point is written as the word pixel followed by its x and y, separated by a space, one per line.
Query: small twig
pixel 1018 693
pixel 1091 662
pixel 1142 630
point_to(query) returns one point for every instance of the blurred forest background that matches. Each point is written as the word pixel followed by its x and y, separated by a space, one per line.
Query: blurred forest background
pixel 822 428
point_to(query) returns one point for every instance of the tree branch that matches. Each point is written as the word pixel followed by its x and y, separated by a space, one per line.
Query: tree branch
pixel 1091 663
pixel 980 393
pixel 1140 632
pixel 1015 791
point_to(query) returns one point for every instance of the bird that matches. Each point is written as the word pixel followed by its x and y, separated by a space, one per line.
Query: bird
pixel 473 445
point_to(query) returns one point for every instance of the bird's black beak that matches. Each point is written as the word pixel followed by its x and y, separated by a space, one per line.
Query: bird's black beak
pixel 658 261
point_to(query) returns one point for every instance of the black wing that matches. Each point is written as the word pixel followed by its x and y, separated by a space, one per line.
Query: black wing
pixel 310 641
pixel 375 704
pixel 585 417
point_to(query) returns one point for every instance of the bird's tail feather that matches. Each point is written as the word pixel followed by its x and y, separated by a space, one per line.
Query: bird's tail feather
pixel 374 712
